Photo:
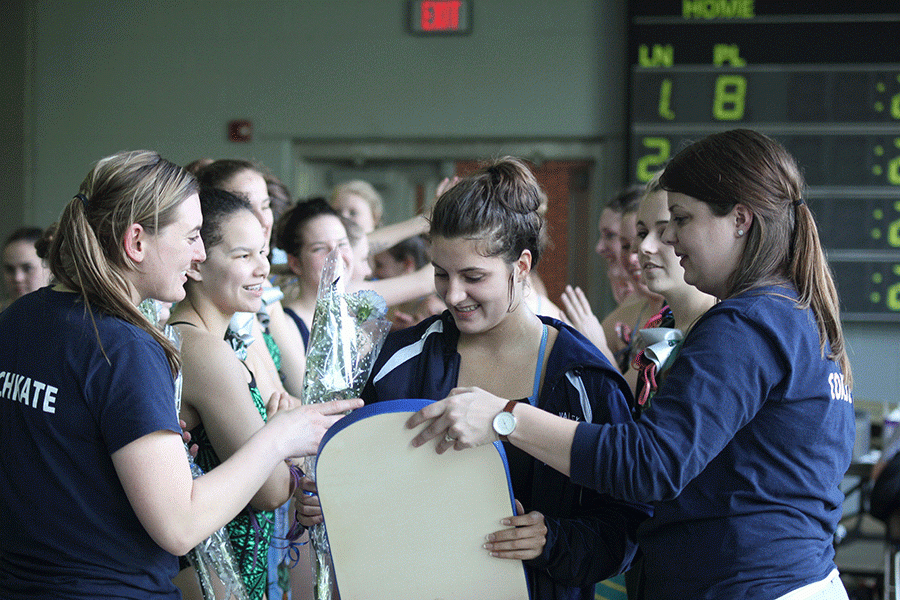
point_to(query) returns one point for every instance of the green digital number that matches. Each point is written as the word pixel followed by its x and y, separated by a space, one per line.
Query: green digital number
pixel 893 236
pixel 728 103
pixel 893 171
pixel 649 164
pixel 893 297
pixel 895 106
pixel 665 100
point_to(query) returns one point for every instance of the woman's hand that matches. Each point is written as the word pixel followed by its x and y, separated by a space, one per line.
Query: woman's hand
pixel 578 312
pixel 526 540
pixel 300 429
pixel 186 438
pixel 464 419
pixel 280 401
pixel 445 184
pixel 306 498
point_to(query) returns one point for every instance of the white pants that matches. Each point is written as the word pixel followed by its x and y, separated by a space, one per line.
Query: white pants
pixel 830 588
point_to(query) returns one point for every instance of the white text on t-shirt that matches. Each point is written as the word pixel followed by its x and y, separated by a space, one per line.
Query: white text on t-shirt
pixel 839 391
pixel 28 391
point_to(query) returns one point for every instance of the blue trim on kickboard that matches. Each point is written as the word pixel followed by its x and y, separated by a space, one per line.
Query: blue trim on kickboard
pixel 410 406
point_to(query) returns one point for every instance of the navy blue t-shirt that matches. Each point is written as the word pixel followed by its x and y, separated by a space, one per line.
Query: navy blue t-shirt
pixel 65 408
pixel 742 453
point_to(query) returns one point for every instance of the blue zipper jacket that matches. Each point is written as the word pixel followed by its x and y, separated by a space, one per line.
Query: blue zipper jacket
pixel 590 536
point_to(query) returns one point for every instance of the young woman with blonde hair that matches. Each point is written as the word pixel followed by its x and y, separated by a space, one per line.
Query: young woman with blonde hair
pixel 96 495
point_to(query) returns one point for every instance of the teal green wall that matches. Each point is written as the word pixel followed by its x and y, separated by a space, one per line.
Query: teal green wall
pixel 108 75
pixel 83 79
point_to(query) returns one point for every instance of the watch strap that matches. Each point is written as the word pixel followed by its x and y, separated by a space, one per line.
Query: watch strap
pixel 509 408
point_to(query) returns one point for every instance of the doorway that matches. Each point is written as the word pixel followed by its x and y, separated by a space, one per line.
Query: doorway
pixel 407 174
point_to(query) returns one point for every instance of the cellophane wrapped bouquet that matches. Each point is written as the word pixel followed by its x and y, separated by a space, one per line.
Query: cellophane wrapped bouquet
pixel 348 331
pixel 214 556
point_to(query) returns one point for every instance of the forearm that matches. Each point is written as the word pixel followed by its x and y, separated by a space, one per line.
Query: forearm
pixel 390 235
pixel 223 492
pixel 275 491
pixel 544 436
pixel 402 288
pixel 177 511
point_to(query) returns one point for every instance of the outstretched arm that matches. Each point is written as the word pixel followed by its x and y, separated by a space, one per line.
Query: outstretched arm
pixel 390 235
pixel 467 415
pixel 179 512
pixel 403 288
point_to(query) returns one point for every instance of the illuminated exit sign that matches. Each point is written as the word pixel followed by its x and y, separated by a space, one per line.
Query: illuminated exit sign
pixel 440 16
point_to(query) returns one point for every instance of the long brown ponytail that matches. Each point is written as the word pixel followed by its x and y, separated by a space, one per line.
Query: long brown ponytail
pixel 87 253
pixel 747 167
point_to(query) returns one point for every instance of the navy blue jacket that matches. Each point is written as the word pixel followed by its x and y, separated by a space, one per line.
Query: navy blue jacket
pixel 748 438
pixel 590 537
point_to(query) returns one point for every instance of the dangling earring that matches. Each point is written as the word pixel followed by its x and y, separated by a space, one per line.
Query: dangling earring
pixel 740 232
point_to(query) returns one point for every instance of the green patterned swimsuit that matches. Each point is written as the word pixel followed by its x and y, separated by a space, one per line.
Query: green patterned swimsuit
pixel 251 531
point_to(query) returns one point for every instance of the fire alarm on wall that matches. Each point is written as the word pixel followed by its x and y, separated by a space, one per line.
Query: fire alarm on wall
pixel 240 130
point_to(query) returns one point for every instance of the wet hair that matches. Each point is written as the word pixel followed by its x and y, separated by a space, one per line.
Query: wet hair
pixel 42 246
pixel 364 190
pixel 627 200
pixel 289 228
pixel 194 166
pixel 747 167
pixel 279 195
pixel 24 234
pixel 217 205
pixel 219 172
pixel 498 205
pixel 355 233
pixel 87 253
pixel 415 247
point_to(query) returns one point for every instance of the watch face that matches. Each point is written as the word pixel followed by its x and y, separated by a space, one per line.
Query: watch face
pixel 504 423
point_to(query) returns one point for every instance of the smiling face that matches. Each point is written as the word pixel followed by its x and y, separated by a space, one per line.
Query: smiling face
pixel 608 245
pixel 628 259
pixel 236 267
pixel 252 186
pixel 319 236
pixel 475 288
pixel 169 254
pixel 660 268
pixel 23 270
pixel 709 246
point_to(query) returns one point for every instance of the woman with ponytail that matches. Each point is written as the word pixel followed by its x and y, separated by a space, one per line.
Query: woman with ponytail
pixel 752 430
pixel 487 234
pixel 96 495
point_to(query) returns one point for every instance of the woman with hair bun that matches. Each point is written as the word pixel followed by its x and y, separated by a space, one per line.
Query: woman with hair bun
pixel 487 234
pixel 96 495
pixel 752 430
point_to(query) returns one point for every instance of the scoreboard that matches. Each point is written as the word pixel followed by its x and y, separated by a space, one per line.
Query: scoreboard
pixel 822 77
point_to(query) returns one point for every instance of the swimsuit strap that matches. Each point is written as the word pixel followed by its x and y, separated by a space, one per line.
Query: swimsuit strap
pixel 532 399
